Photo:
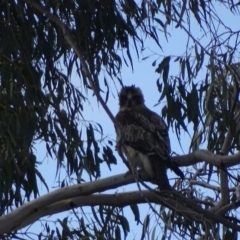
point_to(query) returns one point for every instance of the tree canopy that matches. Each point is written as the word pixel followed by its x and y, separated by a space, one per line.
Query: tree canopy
pixel 44 45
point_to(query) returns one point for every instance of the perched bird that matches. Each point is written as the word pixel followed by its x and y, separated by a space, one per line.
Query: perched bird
pixel 142 136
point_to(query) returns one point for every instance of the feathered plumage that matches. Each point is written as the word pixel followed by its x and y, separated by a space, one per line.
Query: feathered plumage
pixel 143 137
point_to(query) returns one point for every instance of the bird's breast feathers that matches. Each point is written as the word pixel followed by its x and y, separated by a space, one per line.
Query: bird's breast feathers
pixel 138 160
pixel 141 134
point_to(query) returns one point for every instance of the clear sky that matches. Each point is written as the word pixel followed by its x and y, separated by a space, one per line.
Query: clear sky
pixel 144 76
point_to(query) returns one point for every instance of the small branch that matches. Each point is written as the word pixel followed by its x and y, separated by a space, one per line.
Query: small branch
pixel 226 147
pixel 199 171
pixel 207 156
pixel 228 208
pixel 223 173
pixel 209 186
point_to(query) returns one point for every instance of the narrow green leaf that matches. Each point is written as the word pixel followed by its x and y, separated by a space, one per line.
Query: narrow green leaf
pixel 160 22
pixel 58 233
pixel 165 73
pixel 163 64
pixel 210 171
pixel 48 150
pixel 153 233
pixel 194 8
pixel 165 91
pixel 135 211
pixel 145 226
pixel 183 8
pixel 61 151
pixel 124 223
pixel 154 63
pixel 189 70
pixel 183 68
pixel 117 233
pixel 159 85
pixel 42 179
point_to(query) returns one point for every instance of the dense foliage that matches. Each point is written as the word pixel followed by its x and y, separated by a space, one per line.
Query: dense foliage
pixel 44 43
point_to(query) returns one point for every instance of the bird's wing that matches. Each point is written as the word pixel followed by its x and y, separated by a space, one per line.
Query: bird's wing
pixel 145 131
pixel 131 132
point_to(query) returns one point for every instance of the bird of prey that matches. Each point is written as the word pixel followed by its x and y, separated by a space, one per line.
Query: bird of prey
pixel 142 135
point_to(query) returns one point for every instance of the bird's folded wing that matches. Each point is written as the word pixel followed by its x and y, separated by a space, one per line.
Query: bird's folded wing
pixel 145 131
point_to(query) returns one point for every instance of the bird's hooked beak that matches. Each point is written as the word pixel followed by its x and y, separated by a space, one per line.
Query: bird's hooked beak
pixel 129 102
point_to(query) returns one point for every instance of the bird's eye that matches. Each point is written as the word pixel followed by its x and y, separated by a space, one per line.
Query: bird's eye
pixel 137 98
pixel 123 99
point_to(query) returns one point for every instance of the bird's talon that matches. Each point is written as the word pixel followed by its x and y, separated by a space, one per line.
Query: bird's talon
pixel 127 173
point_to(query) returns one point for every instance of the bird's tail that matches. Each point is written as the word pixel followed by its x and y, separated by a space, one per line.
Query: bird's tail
pixel 174 167
pixel 160 172
pixel 166 160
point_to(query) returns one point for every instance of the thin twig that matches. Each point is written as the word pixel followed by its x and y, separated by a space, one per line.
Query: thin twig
pixel 207 185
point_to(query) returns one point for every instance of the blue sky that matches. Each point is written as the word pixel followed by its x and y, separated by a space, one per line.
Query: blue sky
pixel 143 76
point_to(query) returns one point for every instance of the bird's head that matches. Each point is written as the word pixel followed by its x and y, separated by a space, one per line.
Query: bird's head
pixel 130 97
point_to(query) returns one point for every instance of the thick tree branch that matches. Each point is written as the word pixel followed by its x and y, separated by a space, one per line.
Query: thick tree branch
pixel 15 218
pixel 126 199
pixel 224 190
pixel 118 200
pixel 228 208
pixel 61 199
pixel 226 147
pixel 223 175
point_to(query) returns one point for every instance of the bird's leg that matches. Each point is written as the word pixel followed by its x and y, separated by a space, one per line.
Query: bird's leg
pixel 131 170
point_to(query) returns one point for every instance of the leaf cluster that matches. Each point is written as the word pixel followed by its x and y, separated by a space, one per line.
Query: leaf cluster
pixel 39 103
